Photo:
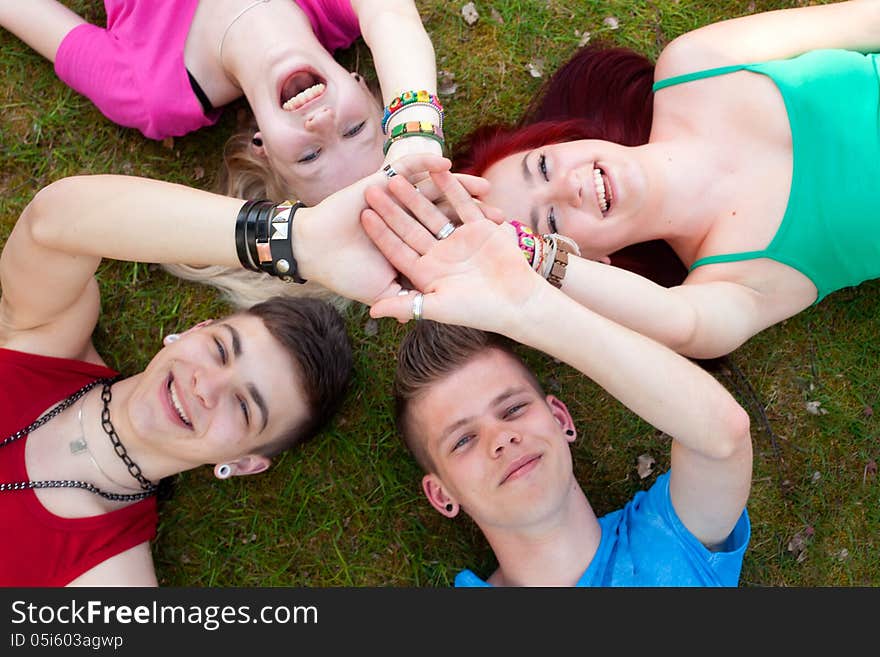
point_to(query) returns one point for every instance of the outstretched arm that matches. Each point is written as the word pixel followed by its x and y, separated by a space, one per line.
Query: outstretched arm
pixel 477 277
pixel 404 59
pixel 42 24
pixel 701 318
pixel 853 25
pixel 50 300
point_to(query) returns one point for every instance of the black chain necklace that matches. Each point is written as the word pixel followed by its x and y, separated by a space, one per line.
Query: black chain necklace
pixel 148 486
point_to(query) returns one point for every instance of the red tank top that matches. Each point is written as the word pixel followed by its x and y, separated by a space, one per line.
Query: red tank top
pixel 38 547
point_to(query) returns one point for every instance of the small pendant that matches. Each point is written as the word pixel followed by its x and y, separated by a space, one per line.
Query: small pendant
pixel 78 446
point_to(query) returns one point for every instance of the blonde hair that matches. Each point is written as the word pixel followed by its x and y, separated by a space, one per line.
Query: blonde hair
pixel 246 175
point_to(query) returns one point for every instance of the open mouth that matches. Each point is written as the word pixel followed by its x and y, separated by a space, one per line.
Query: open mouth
pixel 604 195
pixel 300 89
pixel 176 405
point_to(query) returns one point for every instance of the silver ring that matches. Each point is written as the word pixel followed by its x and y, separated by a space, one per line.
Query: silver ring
pixel 445 231
pixel 417 302
pixel 389 171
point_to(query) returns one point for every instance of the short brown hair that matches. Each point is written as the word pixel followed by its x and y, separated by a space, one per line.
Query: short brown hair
pixel 313 333
pixel 429 353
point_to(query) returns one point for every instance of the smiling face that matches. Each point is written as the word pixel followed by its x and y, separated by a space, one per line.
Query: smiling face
pixel 221 391
pixel 498 446
pixel 320 131
pixel 586 190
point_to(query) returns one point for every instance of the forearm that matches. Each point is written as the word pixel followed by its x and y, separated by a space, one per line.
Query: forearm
pixel 401 48
pixel 58 242
pixel 630 300
pixel 784 33
pixel 138 219
pixel 664 388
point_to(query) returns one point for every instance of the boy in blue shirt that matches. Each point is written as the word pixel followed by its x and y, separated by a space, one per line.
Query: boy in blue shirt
pixel 495 446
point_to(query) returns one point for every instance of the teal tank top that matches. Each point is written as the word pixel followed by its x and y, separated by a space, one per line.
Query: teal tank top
pixel 830 231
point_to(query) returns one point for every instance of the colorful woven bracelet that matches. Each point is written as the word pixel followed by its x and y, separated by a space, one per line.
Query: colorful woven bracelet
pixel 414 129
pixel 410 98
pixel 526 239
pixel 386 120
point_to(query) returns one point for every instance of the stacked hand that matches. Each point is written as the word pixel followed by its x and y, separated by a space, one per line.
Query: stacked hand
pixel 476 276
pixel 331 247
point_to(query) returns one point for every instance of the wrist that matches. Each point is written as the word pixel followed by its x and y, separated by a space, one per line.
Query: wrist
pixel 303 245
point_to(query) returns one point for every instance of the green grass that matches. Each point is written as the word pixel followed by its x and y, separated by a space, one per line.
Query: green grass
pixel 346 509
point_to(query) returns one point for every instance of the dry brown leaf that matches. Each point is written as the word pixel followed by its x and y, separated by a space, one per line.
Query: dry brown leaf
pixel 469 12
pixel 536 68
pixel 645 465
pixel 446 85
pixel 814 408
pixel 168 143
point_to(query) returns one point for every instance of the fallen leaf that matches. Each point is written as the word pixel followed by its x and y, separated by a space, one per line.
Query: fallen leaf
pixel 813 407
pixel 199 173
pixel 816 477
pixel 496 16
pixel 842 554
pixel 536 68
pixel 446 83
pixel 611 22
pixel 870 470
pixel 797 545
pixel 645 465
pixel 585 38
pixel 168 142
pixel 469 12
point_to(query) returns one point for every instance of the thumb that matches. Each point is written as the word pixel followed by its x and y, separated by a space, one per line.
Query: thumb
pixel 401 306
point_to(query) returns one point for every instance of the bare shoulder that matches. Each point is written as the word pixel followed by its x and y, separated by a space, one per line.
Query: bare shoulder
pixel 134 567
pixel 688 53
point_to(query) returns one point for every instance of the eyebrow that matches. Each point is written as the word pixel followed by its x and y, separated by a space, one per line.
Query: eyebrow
pixel 252 389
pixel 527 175
pixel 505 394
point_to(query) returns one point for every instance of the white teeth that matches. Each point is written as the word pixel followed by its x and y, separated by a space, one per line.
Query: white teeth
pixel 303 97
pixel 600 190
pixel 178 406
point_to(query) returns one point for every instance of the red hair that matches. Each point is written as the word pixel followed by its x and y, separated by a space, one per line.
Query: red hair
pixel 600 93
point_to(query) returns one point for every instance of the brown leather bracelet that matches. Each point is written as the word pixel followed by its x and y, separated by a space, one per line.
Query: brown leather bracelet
pixel 560 263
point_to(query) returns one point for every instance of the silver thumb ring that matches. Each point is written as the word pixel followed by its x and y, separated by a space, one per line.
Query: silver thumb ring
pixel 417 303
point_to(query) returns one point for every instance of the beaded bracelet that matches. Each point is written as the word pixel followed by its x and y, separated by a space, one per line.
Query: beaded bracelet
pixel 407 98
pixel 262 238
pixel 526 239
pixel 414 129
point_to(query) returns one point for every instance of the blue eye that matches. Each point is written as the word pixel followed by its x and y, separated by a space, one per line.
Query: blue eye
pixel 513 410
pixel 461 442
pixel 355 130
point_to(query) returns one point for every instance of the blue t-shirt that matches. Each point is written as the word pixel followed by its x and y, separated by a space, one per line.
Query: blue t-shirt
pixel 645 544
